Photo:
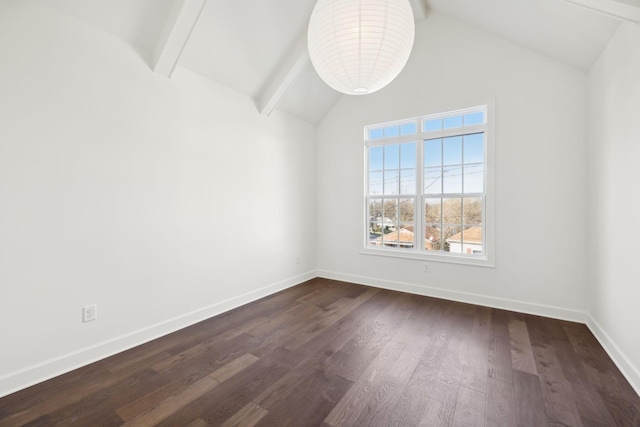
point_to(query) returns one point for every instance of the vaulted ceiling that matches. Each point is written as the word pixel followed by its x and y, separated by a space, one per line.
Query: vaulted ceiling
pixel 258 47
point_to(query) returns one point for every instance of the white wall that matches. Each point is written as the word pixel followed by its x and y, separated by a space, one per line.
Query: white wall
pixel 540 176
pixel 162 201
pixel 614 229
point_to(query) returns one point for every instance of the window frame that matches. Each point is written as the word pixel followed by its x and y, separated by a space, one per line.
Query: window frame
pixel 487 258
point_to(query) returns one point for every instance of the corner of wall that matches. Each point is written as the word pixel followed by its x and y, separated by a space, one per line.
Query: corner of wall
pixel 626 366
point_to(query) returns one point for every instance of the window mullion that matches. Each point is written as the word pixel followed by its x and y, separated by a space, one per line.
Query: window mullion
pixel 419 224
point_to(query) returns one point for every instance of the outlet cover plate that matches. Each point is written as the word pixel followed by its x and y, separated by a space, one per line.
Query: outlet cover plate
pixel 89 313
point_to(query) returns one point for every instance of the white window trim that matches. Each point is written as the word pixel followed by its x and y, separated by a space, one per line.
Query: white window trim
pixel 488 259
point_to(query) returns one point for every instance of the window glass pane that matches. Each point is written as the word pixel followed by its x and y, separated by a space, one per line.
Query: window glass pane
pixel 452 122
pixel 390 211
pixel 408 181
pixel 433 152
pixel 452 211
pixel 375 218
pixel 474 148
pixel 391 182
pixel 408 128
pixel 406 210
pixel 432 236
pixel 433 211
pixel 474 178
pixel 408 155
pixel 472 210
pixel 453 239
pixel 431 125
pixel 452 147
pixel 472 241
pixel 375 158
pixel 391 156
pixel 474 118
pixel 375 183
pixel 375 133
pixel 452 179
pixel 433 181
pixel 391 131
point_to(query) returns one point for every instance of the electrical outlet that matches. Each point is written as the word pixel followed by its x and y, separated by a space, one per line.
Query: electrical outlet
pixel 426 268
pixel 89 313
pixel 297 260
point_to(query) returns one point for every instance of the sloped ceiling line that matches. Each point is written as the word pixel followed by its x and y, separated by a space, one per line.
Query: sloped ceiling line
pixel 287 72
pixel 180 23
pixel 625 11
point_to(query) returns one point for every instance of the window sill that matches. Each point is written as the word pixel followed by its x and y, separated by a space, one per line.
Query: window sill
pixel 480 261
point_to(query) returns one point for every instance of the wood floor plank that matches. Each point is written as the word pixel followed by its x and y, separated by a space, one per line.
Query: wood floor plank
pixel 521 352
pixel 335 312
pixel 170 405
pixel 56 400
pixel 557 390
pixel 291 317
pixel 201 359
pixel 474 375
pixel 614 390
pixel 411 405
pixel 500 348
pixel 198 422
pixel 470 408
pixel 360 351
pixel 83 411
pixel 501 406
pixel 529 402
pixel 156 413
pixel 412 332
pixel 349 408
pixel 248 416
pixel 144 403
pixel 590 405
pixel 316 405
pixel 449 376
pixel 230 369
pixel 437 414
pixel 232 395
pixel 327 353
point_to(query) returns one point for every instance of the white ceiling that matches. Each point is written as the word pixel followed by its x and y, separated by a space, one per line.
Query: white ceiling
pixel 138 22
pixel 554 28
pixel 257 47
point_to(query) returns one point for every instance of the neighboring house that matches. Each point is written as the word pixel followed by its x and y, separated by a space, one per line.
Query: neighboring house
pixel 401 238
pixel 472 243
pixel 431 238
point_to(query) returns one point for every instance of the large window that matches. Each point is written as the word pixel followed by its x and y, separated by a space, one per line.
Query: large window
pixel 427 187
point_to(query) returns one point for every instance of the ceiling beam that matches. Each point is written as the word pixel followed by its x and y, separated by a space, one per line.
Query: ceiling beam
pixel 623 10
pixel 288 71
pixel 419 9
pixel 180 23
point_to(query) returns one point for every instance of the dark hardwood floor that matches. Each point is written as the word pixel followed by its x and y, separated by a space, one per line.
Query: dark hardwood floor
pixel 328 353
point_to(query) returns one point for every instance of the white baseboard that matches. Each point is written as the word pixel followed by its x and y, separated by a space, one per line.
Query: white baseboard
pixel 48 369
pixel 628 369
pixel 470 298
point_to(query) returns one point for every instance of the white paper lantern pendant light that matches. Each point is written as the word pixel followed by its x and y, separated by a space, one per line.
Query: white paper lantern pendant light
pixel 359 46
